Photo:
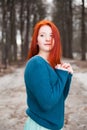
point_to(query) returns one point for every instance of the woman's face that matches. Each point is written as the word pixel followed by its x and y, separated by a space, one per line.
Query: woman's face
pixel 45 39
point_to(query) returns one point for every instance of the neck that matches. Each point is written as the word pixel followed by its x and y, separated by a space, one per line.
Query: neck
pixel 44 55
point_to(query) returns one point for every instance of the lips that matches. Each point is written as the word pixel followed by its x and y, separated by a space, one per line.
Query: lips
pixel 47 44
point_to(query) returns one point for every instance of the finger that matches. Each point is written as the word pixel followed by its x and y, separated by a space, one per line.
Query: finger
pixel 66 65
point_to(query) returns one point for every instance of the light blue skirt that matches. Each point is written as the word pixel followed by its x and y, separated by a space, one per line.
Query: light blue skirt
pixel 32 125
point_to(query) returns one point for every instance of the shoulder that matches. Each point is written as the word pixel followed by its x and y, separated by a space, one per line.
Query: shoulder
pixel 35 62
pixel 35 66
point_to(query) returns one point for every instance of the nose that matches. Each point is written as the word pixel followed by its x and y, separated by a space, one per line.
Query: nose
pixel 48 38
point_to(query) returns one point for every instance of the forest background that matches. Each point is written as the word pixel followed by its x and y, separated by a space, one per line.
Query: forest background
pixel 17 19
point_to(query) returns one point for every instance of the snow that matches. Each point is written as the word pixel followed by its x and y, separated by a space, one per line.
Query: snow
pixel 17 78
pixel 13 101
pixel 12 80
pixel 82 78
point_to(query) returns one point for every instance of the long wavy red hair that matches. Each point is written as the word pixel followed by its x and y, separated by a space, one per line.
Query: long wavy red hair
pixel 55 55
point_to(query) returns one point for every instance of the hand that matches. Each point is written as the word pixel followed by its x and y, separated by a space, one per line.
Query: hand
pixel 68 67
pixel 65 66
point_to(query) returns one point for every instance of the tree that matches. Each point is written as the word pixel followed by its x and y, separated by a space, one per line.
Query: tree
pixel 18 15
pixel 22 21
pixel 13 29
pixel 4 26
pixel 63 20
pixel 35 12
pixel 83 33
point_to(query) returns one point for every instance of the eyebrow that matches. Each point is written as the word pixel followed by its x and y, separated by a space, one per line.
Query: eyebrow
pixel 45 32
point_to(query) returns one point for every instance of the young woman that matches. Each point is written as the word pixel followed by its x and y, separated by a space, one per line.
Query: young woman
pixel 47 80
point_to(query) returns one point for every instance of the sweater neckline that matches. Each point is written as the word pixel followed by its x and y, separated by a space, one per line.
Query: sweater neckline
pixel 44 60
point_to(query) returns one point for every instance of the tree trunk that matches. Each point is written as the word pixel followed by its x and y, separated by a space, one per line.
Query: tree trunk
pixel 83 35
pixel 22 27
pixel 13 31
pixel 26 46
pixel 4 46
pixel 70 30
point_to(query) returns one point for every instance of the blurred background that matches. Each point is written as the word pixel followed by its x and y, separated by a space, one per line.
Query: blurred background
pixel 18 17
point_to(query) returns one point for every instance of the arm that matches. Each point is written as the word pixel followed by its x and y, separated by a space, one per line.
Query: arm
pixel 38 82
pixel 67 67
pixel 67 86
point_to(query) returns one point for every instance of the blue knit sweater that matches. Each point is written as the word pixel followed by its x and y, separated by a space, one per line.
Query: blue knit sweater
pixel 47 89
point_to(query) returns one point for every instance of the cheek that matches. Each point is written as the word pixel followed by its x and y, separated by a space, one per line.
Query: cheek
pixel 39 40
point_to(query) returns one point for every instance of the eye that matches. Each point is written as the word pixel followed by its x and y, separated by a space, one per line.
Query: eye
pixel 41 35
pixel 51 35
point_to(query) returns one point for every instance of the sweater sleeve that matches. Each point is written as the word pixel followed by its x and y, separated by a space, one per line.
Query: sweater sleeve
pixel 67 86
pixel 38 82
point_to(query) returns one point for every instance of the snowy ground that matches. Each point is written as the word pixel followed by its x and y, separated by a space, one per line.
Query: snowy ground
pixel 13 101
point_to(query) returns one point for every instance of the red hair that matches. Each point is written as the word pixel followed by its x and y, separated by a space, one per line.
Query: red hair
pixel 55 54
